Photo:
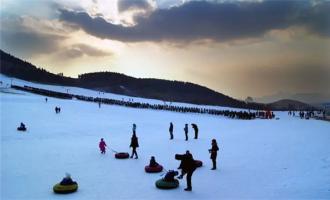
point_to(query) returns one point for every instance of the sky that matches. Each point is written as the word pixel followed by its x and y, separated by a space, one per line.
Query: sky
pixel 239 48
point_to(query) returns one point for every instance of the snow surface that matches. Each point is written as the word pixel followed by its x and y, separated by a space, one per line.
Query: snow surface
pixel 258 159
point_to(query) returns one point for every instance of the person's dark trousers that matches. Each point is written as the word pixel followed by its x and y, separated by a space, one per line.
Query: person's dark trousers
pixel 214 162
pixel 134 153
pixel 189 175
pixel 186 135
pixel 196 134
pixel 171 133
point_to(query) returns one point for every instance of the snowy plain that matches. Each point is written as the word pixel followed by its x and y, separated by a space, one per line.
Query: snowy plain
pixel 287 158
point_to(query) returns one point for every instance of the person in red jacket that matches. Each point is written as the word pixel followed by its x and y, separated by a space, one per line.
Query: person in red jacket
pixel 102 146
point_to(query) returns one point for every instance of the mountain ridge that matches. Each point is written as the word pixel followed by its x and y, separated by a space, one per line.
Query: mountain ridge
pixel 167 90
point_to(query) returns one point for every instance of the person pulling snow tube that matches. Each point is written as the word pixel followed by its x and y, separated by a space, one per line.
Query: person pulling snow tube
pixel 198 163
pixel 153 169
pixel 65 189
pixel 121 155
pixel 163 184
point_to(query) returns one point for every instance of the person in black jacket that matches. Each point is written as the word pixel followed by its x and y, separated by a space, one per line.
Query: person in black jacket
pixel 153 162
pixel 194 126
pixel 214 151
pixel 188 166
pixel 171 131
pixel 134 144
pixel 186 131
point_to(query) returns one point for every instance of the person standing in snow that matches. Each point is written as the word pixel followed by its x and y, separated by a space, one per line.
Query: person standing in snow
pixel 186 131
pixel 195 127
pixel 134 129
pixel 134 144
pixel 188 166
pixel 171 131
pixel 214 152
pixel 102 146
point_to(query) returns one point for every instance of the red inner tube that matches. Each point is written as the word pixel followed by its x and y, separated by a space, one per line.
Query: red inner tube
pixel 122 155
pixel 155 169
pixel 198 163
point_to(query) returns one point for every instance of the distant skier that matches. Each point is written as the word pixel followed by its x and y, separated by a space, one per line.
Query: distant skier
pixel 194 126
pixel 102 146
pixel 171 131
pixel 214 152
pixel 186 131
pixel 134 144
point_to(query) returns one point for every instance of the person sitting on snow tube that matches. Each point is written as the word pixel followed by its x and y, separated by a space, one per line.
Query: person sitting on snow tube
pixel 22 127
pixel 67 185
pixel 168 182
pixel 153 162
pixel 169 177
pixel 67 180
pixel 153 166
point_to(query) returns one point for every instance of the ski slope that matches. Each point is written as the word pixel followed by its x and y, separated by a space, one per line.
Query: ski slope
pixel 258 159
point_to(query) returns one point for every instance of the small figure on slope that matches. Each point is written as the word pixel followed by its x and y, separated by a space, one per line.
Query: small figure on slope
pixel 195 127
pixel 171 131
pixel 214 152
pixel 186 131
pixel 102 146
pixel 134 144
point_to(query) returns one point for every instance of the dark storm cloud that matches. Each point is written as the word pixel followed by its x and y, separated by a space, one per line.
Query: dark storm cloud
pixel 205 20
pixel 27 44
pixel 124 5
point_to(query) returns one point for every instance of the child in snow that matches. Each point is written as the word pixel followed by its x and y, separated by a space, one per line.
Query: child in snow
pixel 102 146
pixel 169 177
pixel 153 162
pixel 67 180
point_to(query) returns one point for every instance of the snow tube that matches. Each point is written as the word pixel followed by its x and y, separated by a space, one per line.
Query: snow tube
pixel 162 184
pixel 21 129
pixel 65 189
pixel 198 163
pixel 121 155
pixel 155 169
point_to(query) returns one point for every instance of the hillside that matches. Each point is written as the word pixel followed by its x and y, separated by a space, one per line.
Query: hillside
pixel 121 84
pixel 287 104
pixel 173 91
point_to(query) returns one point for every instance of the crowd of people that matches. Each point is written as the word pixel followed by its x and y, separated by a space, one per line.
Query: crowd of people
pixel 307 114
pixel 182 109
pixel 187 164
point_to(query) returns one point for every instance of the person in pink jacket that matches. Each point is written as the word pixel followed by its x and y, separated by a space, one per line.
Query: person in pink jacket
pixel 102 146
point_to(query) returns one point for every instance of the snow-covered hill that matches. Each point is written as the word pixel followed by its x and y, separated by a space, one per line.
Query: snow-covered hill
pixel 269 159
